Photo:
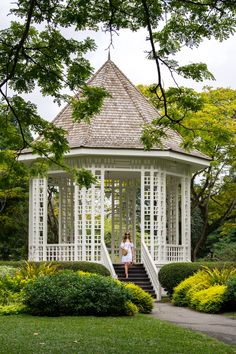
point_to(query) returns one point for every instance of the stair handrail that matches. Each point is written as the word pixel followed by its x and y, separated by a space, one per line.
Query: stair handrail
pixel 151 269
pixel 106 260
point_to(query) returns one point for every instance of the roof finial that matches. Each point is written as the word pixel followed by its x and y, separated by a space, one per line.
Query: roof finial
pixel 109 54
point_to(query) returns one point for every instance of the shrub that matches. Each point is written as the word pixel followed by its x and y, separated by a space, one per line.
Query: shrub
pixel 83 266
pixel 75 266
pixel 219 276
pixel 183 292
pixel 32 270
pixel 73 294
pixel 170 275
pixel 140 298
pixel 209 300
pixel 230 294
pixel 12 309
pixel 7 270
pixel 130 308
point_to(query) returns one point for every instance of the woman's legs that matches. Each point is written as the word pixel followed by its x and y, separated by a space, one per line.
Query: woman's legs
pixel 126 270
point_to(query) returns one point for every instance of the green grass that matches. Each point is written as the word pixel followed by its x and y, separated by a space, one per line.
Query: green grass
pixel 23 334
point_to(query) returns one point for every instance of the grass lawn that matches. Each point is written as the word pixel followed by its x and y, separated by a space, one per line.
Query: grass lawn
pixel 25 334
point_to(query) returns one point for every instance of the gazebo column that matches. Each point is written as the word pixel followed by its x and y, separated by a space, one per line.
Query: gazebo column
pixel 38 219
pixel 186 217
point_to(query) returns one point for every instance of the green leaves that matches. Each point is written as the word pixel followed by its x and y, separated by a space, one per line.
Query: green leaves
pixel 197 72
pixel 88 103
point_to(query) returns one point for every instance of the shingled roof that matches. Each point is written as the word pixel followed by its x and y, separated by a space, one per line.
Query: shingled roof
pixel 120 122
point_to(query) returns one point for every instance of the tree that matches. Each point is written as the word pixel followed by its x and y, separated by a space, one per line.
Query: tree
pixel 208 125
pixel 34 52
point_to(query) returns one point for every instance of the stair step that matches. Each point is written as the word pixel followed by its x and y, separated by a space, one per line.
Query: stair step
pixel 137 275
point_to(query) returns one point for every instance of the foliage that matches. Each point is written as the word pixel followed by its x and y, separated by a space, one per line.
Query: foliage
pixel 206 123
pixel 140 298
pixel 170 275
pixel 89 267
pixel 230 294
pixel 184 291
pixel 219 276
pixel 14 309
pixel 7 270
pixel 34 52
pixel 69 293
pixel 32 270
pixel 225 251
pixel 210 299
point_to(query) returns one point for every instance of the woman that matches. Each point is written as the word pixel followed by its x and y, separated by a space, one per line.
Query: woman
pixel 129 247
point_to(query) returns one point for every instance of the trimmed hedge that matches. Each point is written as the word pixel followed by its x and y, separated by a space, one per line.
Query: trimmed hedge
pixel 69 293
pixel 90 267
pixel 170 275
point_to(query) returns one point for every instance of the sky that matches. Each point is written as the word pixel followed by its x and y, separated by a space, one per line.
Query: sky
pixel 130 55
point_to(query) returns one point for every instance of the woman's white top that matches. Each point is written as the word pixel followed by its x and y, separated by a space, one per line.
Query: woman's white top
pixel 128 246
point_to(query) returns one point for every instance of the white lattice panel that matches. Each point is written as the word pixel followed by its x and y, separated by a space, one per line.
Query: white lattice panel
pixel 186 218
pixel 88 233
pixel 173 196
pixel 38 219
pixel 66 210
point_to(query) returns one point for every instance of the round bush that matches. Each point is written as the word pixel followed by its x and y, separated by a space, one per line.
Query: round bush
pixel 140 298
pixel 209 300
pixel 170 275
pixel 75 294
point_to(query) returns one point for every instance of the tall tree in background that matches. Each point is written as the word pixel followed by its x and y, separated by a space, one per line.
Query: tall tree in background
pixel 209 125
pixel 34 52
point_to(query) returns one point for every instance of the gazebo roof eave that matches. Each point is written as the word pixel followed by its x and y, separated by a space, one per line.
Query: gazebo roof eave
pixel 128 152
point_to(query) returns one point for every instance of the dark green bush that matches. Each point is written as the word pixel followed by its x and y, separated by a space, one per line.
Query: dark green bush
pixel 231 294
pixel 90 267
pixel 170 275
pixel 70 293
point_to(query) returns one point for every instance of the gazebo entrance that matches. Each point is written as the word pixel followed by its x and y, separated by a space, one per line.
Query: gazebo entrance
pixel 122 211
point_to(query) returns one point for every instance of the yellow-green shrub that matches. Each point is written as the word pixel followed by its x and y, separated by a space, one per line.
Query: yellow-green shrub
pixel 220 276
pixel 209 300
pixel 140 298
pixel 183 292
pixel 130 308
pixel 13 309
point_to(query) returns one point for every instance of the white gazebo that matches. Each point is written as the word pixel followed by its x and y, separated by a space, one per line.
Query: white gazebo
pixel 145 192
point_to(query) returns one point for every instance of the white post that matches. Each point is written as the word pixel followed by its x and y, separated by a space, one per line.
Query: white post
pixel 102 201
pixel 152 212
pixel 92 217
pixel 83 195
pixel 76 217
pixel 142 207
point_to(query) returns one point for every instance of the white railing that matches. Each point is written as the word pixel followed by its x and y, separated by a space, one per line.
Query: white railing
pixel 106 260
pixel 151 269
pixel 175 253
pixel 60 252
